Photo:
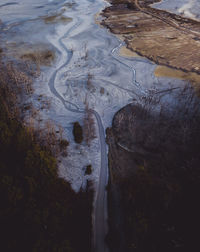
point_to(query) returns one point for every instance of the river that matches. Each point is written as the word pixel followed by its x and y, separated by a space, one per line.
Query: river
pixel 88 71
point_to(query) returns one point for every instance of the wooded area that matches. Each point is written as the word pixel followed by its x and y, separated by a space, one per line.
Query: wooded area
pixel 39 211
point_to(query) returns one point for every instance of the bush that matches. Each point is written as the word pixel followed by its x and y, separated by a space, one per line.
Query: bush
pixel 88 170
pixel 77 132
pixel 63 144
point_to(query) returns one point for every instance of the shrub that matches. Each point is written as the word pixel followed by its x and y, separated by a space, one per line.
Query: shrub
pixel 78 133
pixel 63 144
pixel 88 170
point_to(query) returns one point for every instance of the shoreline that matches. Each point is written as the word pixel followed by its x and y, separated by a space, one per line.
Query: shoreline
pixel 117 20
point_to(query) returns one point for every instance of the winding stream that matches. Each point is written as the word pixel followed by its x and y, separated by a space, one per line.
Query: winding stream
pixel 88 70
pixel 100 205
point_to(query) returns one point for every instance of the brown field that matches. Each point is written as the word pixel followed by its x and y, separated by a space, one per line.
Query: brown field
pixel 162 37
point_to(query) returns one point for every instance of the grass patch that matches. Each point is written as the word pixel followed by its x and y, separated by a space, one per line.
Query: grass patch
pixel 40 57
pixel 54 19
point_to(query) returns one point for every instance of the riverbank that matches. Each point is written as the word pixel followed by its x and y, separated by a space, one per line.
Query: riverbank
pixel 39 210
pixel 154 175
pixel 156 34
pixel 149 196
